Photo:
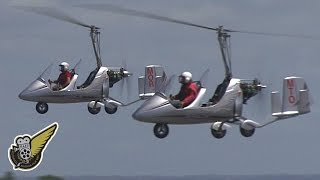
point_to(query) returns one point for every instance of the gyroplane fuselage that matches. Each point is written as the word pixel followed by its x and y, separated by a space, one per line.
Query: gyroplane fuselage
pixel 94 90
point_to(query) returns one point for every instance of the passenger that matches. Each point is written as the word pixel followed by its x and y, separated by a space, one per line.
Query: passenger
pixel 188 91
pixel 63 79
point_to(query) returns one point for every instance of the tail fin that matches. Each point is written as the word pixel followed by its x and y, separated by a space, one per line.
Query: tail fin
pixel 295 99
pixel 152 81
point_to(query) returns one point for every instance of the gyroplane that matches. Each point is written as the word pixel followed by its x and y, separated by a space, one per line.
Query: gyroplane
pixel 94 90
pixel 226 105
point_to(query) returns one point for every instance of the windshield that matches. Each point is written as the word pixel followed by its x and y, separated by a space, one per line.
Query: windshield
pixel 76 67
pixel 46 73
pixel 167 83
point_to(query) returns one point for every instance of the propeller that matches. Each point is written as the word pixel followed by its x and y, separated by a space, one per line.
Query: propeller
pixel 261 103
pixel 54 13
pixel 132 12
pixel 126 80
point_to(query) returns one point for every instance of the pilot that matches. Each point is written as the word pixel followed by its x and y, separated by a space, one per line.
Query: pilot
pixel 188 91
pixel 64 77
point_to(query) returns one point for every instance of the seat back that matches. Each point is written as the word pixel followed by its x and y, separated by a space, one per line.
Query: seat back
pixel 196 102
pixel 72 83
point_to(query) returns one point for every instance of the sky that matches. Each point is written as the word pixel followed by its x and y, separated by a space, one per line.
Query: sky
pixel 116 144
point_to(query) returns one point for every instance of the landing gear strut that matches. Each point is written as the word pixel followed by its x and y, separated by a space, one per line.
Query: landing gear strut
pixel 94 110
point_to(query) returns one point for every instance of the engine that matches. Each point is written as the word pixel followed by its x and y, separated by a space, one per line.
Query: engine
pixel 250 88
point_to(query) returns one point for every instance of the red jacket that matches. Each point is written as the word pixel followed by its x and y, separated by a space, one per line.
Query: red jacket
pixel 63 78
pixel 187 94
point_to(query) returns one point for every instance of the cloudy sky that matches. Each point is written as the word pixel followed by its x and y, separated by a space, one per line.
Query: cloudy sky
pixel 118 145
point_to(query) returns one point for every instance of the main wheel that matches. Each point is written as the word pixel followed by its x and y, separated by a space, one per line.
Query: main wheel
pixel 94 110
pixel 161 130
pixel 111 110
pixel 218 133
pixel 42 107
pixel 247 133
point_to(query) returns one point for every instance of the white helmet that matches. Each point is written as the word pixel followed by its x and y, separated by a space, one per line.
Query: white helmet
pixel 185 77
pixel 64 66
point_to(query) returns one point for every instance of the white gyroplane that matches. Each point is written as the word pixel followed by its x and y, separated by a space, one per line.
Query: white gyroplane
pixel 226 109
pixel 226 105
pixel 94 90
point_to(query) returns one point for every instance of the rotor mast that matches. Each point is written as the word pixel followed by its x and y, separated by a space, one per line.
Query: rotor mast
pixel 95 38
pixel 224 43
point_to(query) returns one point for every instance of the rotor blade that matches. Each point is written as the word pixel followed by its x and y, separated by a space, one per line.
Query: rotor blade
pixel 131 12
pixel 53 13
pixel 300 36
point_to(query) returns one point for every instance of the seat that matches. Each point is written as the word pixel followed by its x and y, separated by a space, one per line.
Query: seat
pixel 219 92
pixel 89 80
pixel 72 83
pixel 196 102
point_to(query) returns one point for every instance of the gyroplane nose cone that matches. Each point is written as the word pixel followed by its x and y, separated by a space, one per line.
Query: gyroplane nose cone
pixel 23 95
pixel 138 115
pixel 152 108
pixel 143 113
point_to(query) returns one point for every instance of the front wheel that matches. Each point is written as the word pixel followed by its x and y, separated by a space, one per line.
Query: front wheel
pixel 161 130
pixel 42 107
pixel 247 133
pixel 218 133
pixel 111 110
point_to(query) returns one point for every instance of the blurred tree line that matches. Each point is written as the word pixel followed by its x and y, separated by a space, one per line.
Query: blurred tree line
pixel 11 176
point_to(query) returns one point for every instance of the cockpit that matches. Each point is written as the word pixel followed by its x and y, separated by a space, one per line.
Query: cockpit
pixel 220 91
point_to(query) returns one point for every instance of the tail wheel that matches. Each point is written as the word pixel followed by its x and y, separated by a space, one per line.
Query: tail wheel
pixel 95 110
pixel 218 133
pixel 247 133
pixel 42 107
pixel 111 110
pixel 161 130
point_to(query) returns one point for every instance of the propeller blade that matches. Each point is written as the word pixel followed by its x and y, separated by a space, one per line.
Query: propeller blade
pixel 129 86
pixel 124 64
pixel 126 79
pixel 121 86
pixel 53 13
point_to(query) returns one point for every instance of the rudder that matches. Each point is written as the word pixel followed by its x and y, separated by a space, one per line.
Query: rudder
pixel 152 81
